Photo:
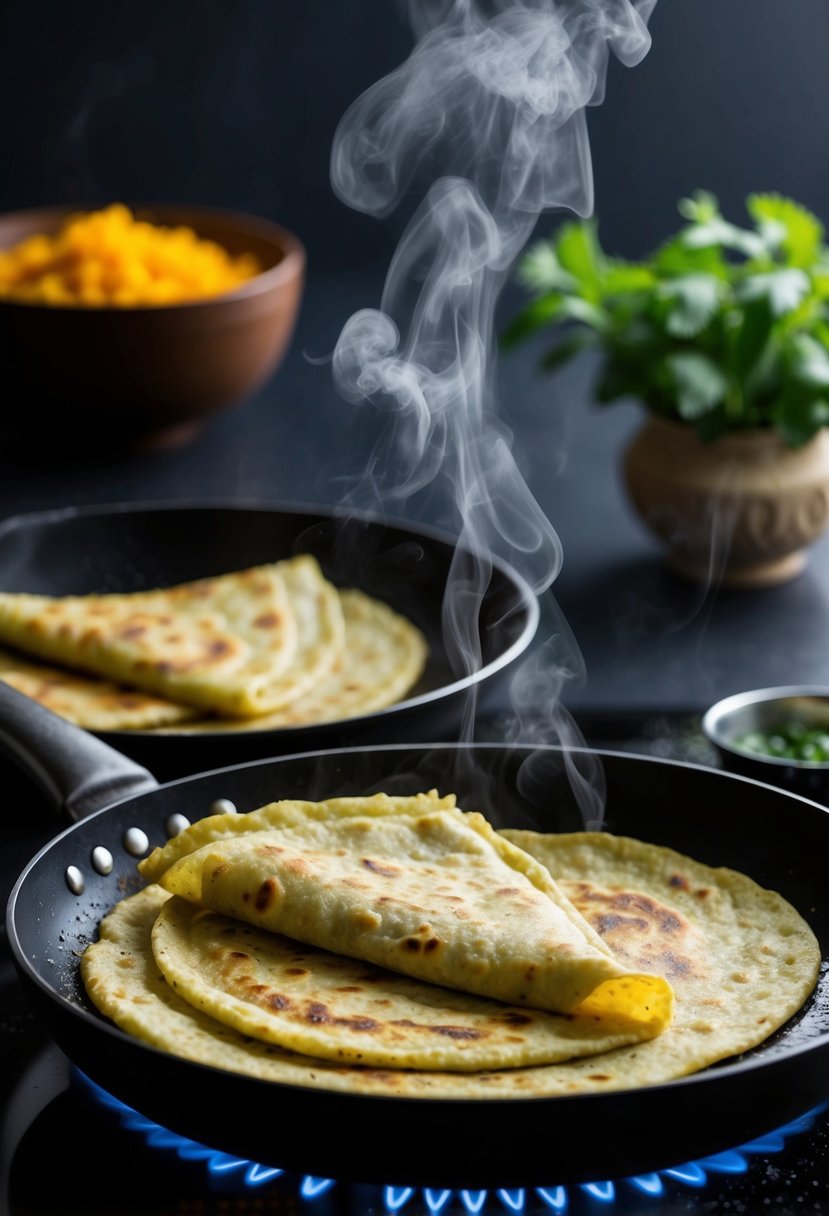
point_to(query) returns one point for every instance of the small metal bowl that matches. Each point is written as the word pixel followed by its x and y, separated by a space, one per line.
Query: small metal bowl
pixel 762 710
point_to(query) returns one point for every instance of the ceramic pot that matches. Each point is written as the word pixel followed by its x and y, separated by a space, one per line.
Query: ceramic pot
pixel 740 510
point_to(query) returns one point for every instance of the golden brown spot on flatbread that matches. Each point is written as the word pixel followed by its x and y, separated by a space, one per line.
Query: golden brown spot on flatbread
pixel 317 1013
pixel 266 895
pixel 268 620
pixel 449 1032
pixel 377 867
pixel 132 631
pixel 675 964
pixel 640 929
pixel 679 881
pixel 513 1018
pixel 611 920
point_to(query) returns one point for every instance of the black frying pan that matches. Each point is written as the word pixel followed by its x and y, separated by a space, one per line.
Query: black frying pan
pixel 779 839
pixel 137 547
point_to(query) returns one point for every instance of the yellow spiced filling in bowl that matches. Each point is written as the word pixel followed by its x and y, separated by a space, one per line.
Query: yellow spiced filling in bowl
pixel 109 258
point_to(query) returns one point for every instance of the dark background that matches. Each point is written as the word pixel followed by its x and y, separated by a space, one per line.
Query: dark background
pixel 235 104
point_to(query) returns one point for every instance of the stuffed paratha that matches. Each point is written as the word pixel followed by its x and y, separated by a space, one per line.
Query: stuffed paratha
pixel 761 931
pixel 325 1005
pixel 438 896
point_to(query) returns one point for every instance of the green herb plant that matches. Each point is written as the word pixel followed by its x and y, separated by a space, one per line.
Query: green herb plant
pixel 724 328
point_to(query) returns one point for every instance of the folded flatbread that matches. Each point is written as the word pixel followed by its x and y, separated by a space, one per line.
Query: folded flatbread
pixel 741 959
pixel 439 896
pixel 287 813
pixel 328 1006
pixel 381 658
pixel 88 702
pixel 240 644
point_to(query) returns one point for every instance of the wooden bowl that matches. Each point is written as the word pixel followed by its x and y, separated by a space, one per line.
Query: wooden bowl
pixel 114 376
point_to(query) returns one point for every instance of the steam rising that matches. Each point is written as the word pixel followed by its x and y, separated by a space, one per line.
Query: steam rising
pixel 490 106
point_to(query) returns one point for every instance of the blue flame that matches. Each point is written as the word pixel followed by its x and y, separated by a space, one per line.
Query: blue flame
pixel 436 1201
pixel 513 1202
pixel 312 1188
pixel 396 1197
pixel 603 1191
pixel 473 1201
pixel 555 1197
pixel 648 1184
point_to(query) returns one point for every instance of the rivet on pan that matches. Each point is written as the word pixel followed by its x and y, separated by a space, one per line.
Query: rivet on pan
pixel 74 880
pixel 102 860
pixel 223 806
pixel 136 842
pixel 176 823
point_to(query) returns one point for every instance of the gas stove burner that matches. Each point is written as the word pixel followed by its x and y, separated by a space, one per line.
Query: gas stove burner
pixel 555 1198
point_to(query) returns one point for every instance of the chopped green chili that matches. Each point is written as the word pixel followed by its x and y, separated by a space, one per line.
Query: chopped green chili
pixel 791 740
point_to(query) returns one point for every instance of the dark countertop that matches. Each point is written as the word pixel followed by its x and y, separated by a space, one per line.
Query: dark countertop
pixel 651 645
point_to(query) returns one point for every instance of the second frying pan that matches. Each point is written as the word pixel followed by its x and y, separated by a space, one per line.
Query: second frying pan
pixel 79 551
pixel 780 840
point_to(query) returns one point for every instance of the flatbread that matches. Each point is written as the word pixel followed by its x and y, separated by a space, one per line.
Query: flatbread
pixel 740 958
pixel 287 813
pixel 94 704
pixel 240 644
pixel 438 896
pixel 715 1015
pixel 382 658
pixel 215 644
pixel 324 1005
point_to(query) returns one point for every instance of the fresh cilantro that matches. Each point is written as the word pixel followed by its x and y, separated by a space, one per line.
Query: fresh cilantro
pixel 724 327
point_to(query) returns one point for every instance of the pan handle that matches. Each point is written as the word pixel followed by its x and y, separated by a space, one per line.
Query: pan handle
pixel 78 773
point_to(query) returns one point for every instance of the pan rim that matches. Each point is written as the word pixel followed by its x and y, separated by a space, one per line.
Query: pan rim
pixel 528 600
pixel 711 1075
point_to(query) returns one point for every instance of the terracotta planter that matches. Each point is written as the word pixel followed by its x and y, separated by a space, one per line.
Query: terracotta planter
pixel 740 510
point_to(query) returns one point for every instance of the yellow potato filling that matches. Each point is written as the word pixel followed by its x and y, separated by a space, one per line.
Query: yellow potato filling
pixel 109 258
